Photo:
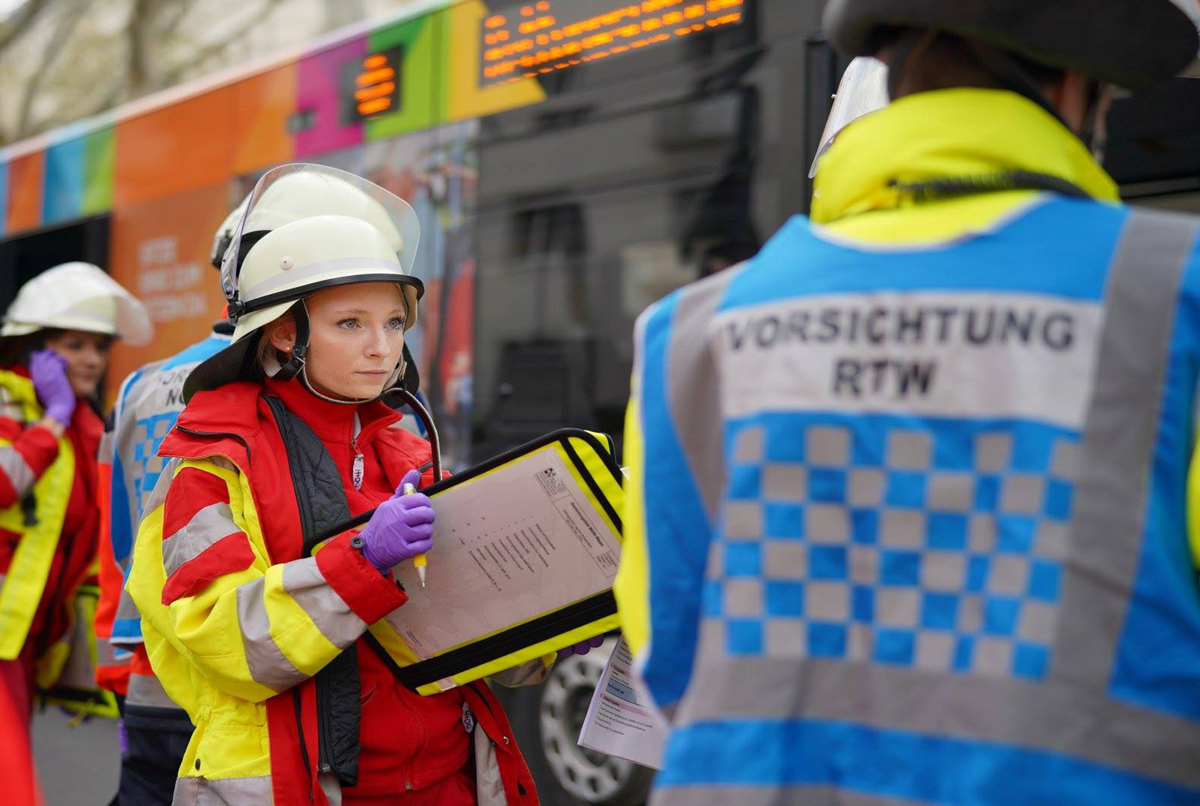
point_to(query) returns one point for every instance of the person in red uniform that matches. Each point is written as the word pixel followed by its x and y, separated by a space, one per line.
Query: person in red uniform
pixel 261 632
pixel 54 349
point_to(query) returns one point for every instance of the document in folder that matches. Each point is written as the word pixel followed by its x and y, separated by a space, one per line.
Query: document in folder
pixel 525 551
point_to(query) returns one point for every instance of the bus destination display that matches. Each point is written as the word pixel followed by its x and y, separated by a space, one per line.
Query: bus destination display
pixel 529 39
pixel 371 85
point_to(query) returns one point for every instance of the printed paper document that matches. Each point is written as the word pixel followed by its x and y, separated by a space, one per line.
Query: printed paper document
pixel 622 720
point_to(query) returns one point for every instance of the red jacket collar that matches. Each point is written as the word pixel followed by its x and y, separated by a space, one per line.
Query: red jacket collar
pixel 230 415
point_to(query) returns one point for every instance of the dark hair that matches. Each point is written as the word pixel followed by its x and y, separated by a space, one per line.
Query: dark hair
pixel 15 350
pixel 939 61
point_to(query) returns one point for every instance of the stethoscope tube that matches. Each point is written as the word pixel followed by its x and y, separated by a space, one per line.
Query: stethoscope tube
pixel 435 448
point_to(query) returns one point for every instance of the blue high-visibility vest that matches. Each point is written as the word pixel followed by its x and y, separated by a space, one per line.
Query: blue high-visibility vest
pixel 939 542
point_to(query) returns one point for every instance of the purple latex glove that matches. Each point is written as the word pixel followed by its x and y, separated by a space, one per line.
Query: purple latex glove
pixel 122 737
pixel 400 529
pixel 582 648
pixel 48 370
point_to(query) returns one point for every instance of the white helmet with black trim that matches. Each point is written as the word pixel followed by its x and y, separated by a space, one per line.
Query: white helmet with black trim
pixel 306 228
pixel 78 296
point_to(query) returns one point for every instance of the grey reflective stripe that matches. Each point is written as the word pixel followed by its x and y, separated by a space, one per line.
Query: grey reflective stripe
pixel 331 787
pixel 202 532
pixel 159 496
pixel 768 796
pixel 1118 444
pixel 692 385
pixel 197 791
pixel 19 474
pixel 1050 717
pixel 268 665
pixel 146 690
pixel 305 583
pixel 105 656
pixel 1071 712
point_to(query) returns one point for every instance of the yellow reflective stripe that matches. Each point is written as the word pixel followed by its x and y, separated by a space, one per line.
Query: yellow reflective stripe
pixel 26 580
pixel 293 629
pixel 632 586
pixel 1193 504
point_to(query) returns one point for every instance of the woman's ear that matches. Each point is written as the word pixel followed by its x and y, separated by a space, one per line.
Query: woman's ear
pixel 282 333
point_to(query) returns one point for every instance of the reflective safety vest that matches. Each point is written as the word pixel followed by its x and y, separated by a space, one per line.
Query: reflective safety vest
pixel 65 669
pixel 940 540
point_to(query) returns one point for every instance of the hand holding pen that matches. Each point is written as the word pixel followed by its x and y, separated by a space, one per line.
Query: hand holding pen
pixel 401 528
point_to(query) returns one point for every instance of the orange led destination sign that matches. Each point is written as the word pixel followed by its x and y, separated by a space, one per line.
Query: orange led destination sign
pixel 540 36
pixel 371 86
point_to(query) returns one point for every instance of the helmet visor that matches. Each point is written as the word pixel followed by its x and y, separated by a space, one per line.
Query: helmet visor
pixel 863 90
pixel 301 190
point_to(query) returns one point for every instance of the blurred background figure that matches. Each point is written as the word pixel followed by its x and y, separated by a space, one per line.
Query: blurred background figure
pixel 54 347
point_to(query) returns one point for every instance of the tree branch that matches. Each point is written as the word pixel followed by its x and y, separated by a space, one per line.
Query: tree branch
pixel 67 23
pixel 24 18
pixel 176 73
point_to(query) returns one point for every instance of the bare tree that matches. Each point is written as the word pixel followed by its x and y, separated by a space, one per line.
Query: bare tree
pixel 15 26
pixel 69 59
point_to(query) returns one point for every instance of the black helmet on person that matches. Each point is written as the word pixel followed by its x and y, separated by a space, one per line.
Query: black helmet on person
pixel 1133 44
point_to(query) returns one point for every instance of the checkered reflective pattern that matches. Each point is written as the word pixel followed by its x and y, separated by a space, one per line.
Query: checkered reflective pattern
pixel 147 466
pixel 934 549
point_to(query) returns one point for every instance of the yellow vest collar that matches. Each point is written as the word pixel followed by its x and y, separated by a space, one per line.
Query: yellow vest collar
pixel 948 134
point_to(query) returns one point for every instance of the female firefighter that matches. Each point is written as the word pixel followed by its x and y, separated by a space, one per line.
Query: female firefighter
pixel 279 644
pixel 54 348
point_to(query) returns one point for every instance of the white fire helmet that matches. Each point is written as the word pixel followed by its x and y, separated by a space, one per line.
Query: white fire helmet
pixel 225 232
pixel 306 228
pixel 78 296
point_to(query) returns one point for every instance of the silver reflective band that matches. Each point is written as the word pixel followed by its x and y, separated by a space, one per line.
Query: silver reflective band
pixel 13 465
pixel 692 384
pixel 1108 525
pixel 305 583
pixel 197 791
pixel 297 276
pixel 147 690
pixel 267 663
pixel 207 527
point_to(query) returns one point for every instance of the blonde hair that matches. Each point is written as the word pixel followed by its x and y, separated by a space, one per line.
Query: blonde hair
pixel 266 353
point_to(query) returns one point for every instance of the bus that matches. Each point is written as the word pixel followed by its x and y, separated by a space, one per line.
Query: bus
pixel 571 161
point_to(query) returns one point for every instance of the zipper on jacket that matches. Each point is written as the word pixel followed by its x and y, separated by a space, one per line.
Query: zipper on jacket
pixel 423 740
pixel 298 706
pixel 323 763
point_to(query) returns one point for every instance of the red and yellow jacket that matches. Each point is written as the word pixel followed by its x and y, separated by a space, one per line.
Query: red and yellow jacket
pixel 48 539
pixel 237 622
